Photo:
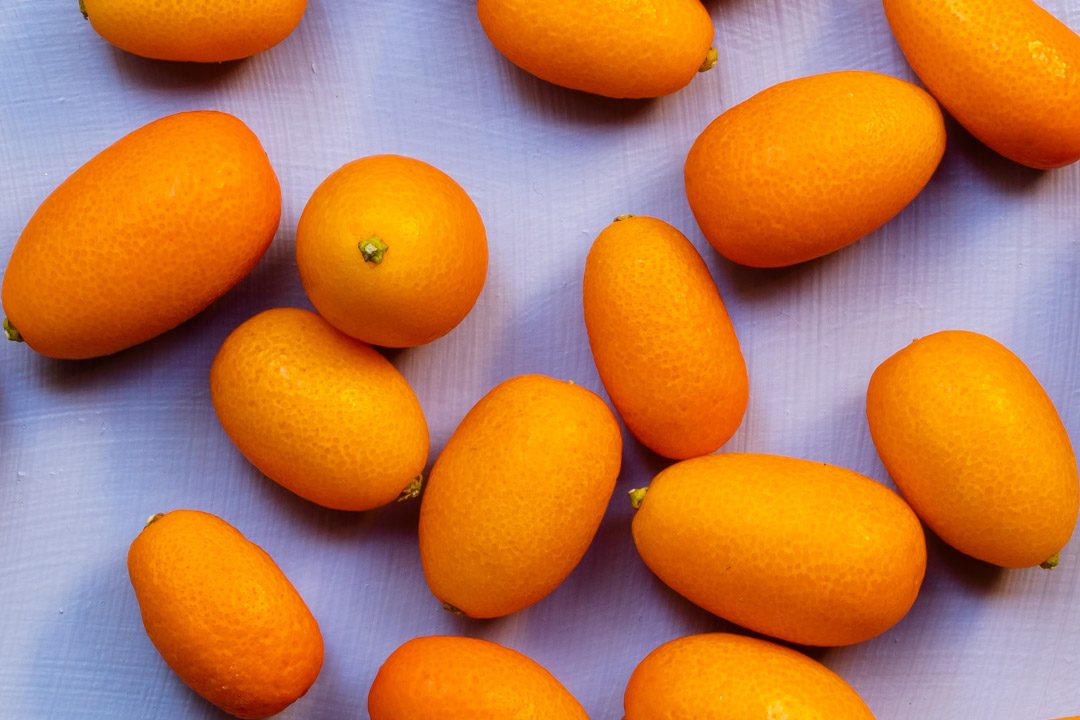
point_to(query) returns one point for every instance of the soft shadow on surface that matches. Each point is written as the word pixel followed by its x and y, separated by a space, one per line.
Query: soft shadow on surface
pixel 390 353
pixel 121 368
pixel 1008 176
pixel 397 519
pixel 172 75
pixel 464 626
pixel 974 575
pixel 561 104
pixel 714 5
pixel 76 375
pixel 325 522
pixel 639 465
pixel 689 615
pixel 817 652
pixel 760 284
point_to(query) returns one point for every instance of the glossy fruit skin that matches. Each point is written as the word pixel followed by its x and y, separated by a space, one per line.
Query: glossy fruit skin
pixel 803 551
pixel 976 446
pixel 811 165
pixel 662 339
pixel 427 280
pixel 517 495
pixel 143 236
pixel 719 676
pixel 318 412
pixel 1007 70
pixel 223 615
pixel 630 49
pixel 439 677
pixel 194 30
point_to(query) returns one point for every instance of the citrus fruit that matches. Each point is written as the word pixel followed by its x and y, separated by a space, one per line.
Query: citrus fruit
pixel 223 615
pixel 976 446
pixel 1007 70
pixel 719 676
pixel 142 237
pixel 803 551
pixel 433 678
pixel 194 30
pixel 627 49
pixel 809 166
pixel 517 495
pixel 662 339
pixel 392 251
pixel 318 412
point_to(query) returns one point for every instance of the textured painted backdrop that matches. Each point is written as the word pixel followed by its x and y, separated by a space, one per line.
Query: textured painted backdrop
pixel 89 450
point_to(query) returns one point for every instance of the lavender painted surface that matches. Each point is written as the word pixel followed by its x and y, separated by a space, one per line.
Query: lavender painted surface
pixel 89 450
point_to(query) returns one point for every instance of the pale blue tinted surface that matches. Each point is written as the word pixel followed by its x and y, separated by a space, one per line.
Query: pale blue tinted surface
pixel 89 450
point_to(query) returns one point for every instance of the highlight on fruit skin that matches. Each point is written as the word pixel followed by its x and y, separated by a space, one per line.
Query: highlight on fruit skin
pixel 1007 70
pixel 516 496
pixel 803 551
pixel 439 677
pixel 194 30
pixel 318 412
pixel 811 165
pixel 142 237
pixel 662 339
pixel 720 676
pixel 976 446
pixel 223 615
pixel 629 49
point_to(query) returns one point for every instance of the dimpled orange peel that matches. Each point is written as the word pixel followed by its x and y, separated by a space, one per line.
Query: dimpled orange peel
pixel 1007 70
pixel 223 615
pixel 194 30
pixel 318 412
pixel 719 676
pixel 976 446
pixel 439 677
pixel 142 237
pixel 517 495
pixel 392 251
pixel 809 166
pixel 803 551
pixel 626 49
pixel 662 339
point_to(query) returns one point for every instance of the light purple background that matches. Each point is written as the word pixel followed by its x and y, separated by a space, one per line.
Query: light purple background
pixel 89 450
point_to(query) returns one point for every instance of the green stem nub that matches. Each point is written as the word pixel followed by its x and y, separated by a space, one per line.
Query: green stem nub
pixel 412 490
pixel 373 249
pixel 82 9
pixel 637 497
pixel 452 610
pixel 710 60
pixel 12 332
pixel 1051 562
